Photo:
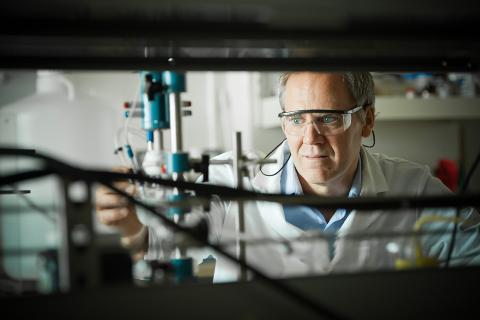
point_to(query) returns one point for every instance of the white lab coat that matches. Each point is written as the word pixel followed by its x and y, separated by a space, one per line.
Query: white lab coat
pixel 381 176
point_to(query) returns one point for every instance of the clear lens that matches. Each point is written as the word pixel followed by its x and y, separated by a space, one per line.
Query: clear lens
pixel 326 124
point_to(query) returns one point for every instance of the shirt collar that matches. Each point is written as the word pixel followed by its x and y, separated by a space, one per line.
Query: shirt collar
pixel 356 187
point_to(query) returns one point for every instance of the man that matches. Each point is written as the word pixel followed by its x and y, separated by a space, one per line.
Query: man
pixel 324 118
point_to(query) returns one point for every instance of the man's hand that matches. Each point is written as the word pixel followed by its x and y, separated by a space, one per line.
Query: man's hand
pixel 115 211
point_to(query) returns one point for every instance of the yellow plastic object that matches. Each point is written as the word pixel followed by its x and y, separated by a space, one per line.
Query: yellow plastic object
pixel 420 261
pixel 423 262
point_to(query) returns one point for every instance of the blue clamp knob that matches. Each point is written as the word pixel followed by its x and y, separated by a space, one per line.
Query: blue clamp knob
pixel 183 269
pixel 178 162
pixel 175 81
pixel 172 210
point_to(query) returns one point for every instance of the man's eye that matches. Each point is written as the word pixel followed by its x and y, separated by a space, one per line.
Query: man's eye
pixel 296 121
pixel 331 118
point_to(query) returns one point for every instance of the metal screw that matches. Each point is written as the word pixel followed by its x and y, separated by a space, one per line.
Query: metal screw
pixel 81 236
pixel 78 191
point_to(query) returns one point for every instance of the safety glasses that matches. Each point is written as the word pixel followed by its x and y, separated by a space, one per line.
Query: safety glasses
pixel 325 121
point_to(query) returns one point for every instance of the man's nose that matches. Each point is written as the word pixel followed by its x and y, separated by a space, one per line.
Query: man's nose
pixel 312 134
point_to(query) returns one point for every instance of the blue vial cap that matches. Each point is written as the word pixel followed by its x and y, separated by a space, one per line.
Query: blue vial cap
pixel 150 136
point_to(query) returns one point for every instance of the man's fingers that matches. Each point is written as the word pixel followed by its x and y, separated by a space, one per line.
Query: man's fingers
pixel 124 186
pixel 112 217
pixel 121 184
pixel 110 201
pixel 121 169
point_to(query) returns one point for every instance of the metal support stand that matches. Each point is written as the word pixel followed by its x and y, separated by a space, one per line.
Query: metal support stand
pixel 240 222
pixel 175 122
pixel 78 258
pixel 157 140
pixel 176 147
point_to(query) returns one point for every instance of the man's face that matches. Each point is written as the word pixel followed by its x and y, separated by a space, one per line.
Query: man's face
pixel 322 159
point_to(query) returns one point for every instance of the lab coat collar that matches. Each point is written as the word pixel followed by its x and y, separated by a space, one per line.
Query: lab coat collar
pixel 374 183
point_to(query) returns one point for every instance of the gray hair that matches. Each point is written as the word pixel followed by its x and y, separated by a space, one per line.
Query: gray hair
pixel 360 84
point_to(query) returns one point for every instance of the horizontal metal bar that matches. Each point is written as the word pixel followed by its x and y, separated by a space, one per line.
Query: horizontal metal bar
pixel 15 192
pixel 177 29
pixel 352 63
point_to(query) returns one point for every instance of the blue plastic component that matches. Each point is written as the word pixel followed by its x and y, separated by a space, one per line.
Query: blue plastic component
pixel 413 76
pixel 172 211
pixel 178 162
pixel 156 76
pixel 156 114
pixel 175 211
pixel 150 136
pixel 176 197
pixel 183 269
pixel 129 151
pixel 175 81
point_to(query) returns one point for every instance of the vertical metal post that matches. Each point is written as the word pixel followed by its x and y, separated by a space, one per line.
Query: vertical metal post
pixel 176 146
pixel 240 222
pixel 64 244
pixel 175 121
pixel 157 140
pixel 78 258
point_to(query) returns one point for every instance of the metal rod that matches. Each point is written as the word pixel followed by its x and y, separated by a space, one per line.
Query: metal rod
pixel 240 222
pixel 176 146
pixel 157 140
pixel 175 122
pixel 323 63
pixel 64 275
pixel 77 243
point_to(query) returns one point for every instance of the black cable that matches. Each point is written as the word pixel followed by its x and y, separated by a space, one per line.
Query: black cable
pixel 463 189
pixel 51 163
pixel 451 246
pixel 276 147
pixel 470 174
pixel 296 295
pixel 23 176
pixel 373 142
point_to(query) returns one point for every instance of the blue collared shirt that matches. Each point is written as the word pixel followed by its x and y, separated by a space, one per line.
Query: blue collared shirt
pixel 307 218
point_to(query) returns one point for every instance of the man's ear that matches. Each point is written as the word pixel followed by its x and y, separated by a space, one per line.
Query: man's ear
pixel 369 122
